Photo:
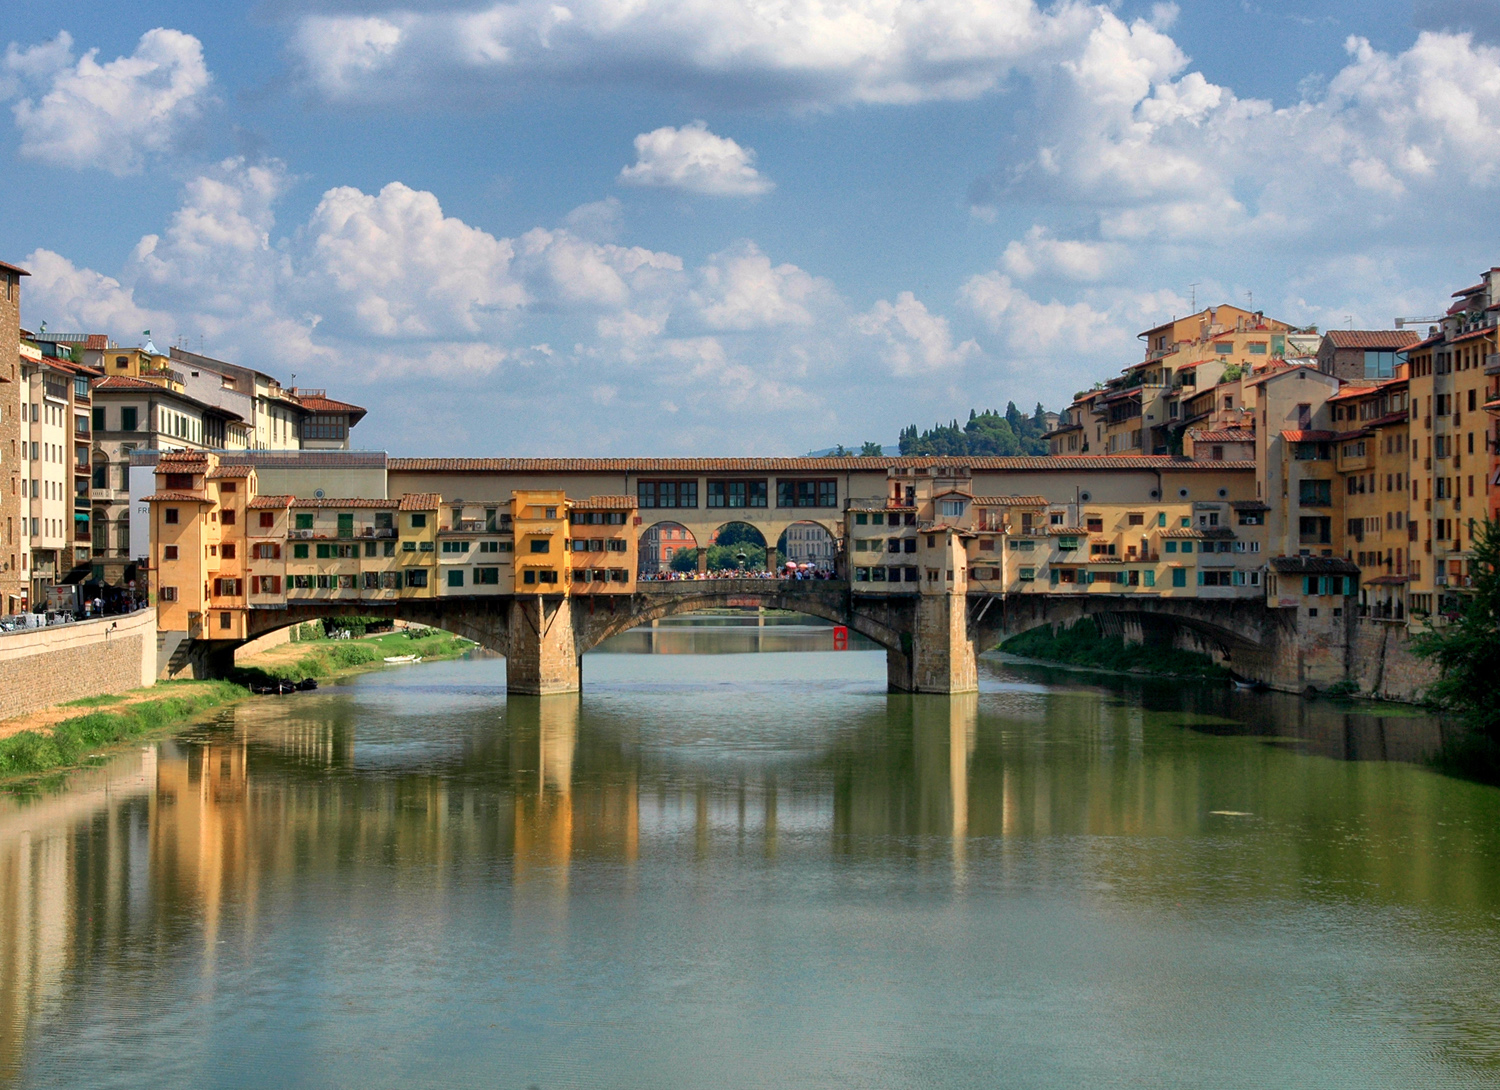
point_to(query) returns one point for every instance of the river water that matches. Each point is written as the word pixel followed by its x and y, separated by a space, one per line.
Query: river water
pixel 737 861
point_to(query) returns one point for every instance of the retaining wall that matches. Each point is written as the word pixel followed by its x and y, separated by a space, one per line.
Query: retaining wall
pixel 45 666
pixel 1381 662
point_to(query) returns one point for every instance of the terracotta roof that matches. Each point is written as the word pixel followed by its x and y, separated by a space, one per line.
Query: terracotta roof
pixel 1249 505
pixel 1468 291
pixel 421 501
pixel 96 341
pixel 13 268
pixel 1372 338
pixel 1310 436
pixel 1387 580
pixel 184 456
pixel 174 497
pixel 1387 419
pixel 1066 531
pixel 1434 339
pixel 1469 336
pixel 1183 532
pixel 323 503
pixel 128 382
pixel 328 405
pixel 1010 501
pixel 605 503
pixel 1360 387
pixel 804 465
pixel 228 471
pixel 266 503
pixel 1233 435
pixel 1314 565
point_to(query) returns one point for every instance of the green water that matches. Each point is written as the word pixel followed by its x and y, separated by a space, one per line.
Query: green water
pixel 736 861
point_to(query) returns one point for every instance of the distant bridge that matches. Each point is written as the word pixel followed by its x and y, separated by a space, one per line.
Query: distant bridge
pixel 931 640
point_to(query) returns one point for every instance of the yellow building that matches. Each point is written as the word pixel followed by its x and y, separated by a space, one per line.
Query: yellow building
pixel 540 519
pixel 1372 458
pixel 603 558
pixel 417 531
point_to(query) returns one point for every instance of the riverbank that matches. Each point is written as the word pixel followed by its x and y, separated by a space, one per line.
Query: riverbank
pixel 1085 646
pixel 59 738
pixel 69 741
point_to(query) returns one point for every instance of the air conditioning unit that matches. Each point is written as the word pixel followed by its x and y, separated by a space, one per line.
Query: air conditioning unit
pixel 304 534
pixel 1251 520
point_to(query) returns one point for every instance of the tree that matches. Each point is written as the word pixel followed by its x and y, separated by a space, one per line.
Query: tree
pixel 1467 652
pixel 685 560
pixel 871 450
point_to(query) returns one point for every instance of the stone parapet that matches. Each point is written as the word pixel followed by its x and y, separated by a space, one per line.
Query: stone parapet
pixel 45 666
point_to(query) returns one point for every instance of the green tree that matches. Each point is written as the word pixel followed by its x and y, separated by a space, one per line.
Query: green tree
pixel 1467 654
pixel 685 560
pixel 871 450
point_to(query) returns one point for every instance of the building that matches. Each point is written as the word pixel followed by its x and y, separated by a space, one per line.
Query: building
pixel 1351 354
pixel 1372 459
pixel 13 508
pixel 1451 448
pixel 56 484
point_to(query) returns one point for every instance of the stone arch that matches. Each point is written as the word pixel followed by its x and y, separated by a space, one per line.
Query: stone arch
pixel 797 543
pixel 660 543
pixel 738 535
pixel 718 595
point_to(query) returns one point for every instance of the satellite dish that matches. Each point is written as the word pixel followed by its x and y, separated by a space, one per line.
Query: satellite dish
pixel 317 493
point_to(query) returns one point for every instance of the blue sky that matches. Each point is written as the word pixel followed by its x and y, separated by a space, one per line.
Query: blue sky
pixel 588 227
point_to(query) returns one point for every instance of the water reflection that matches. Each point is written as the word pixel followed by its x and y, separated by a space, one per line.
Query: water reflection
pixel 417 837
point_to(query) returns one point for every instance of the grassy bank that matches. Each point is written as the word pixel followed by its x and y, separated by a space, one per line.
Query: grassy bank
pixel 1085 645
pixel 72 740
pixel 331 658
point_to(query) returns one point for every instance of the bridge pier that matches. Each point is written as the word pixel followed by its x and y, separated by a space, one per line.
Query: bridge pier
pixel 938 655
pixel 541 653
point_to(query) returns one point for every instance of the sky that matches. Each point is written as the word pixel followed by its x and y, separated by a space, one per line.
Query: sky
pixel 618 227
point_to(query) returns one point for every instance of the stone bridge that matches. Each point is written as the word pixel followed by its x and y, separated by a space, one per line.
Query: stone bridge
pixel 931 640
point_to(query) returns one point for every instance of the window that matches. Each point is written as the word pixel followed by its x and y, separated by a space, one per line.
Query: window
pixel 1179 577
pixel 1223 348
pixel 408 546
pixel 383 520
pixel 1067 544
pixel 807 493
pixel 1256 348
pixel 299 552
pixel 458 546
pixel 267 519
pixel 1096 526
pixel 1028 575
pixel 541 545
pixel 370 548
pixel 325 427
pixel 227 551
pixel 1135 518
pixel 528 577
pixel 618 545
pixel 224 621
pixel 99 418
pixel 371 580
pixel 416 577
pixel 304 521
pixel 267 551
pixel 667 493
pixel 167 594
pixel 1379 364
pixel 226 588
pixel 169 552
pixel 387 548
pixel 227 516
pixel 486 577
pixel 169 516
pixel 177 481
pixel 951 508
pixel 1315 493
pixel 737 493
pixel 418 522
pixel 1315 530
pixel 128 418
pixel 456 577
pixel 390 580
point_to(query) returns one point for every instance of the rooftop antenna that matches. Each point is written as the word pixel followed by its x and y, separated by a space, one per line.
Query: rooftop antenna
pixel 1193 288
pixel 1349 318
pixel 1250 299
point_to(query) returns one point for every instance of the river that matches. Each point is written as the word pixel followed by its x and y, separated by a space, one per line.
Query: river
pixel 737 861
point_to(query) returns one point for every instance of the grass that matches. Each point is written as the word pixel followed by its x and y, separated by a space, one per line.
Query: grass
pixel 73 740
pixel 329 658
pixel 1084 645
pixel 94 701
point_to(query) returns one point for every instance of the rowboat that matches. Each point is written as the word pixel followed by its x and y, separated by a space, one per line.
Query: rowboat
pixel 396 659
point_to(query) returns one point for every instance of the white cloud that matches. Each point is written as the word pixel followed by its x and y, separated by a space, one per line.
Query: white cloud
pixel 806 51
pixel 694 160
pixel 914 341
pixel 69 298
pixel 1040 254
pixel 740 289
pixel 1033 329
pixel 111 115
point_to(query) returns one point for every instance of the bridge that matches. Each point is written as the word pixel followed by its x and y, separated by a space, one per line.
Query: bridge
pixel 931 640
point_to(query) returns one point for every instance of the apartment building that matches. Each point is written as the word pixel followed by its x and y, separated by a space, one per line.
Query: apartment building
pixel 1371 456
pixel 56 401
pixel 1294 456
pixel 1353 354
pixel 1452 448
pixel 15 542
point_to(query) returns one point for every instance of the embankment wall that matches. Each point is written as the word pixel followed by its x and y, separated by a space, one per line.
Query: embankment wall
pixel 1381 662
pixel 45 666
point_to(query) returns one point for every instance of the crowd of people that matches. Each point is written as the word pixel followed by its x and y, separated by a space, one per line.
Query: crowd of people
pixel 667 575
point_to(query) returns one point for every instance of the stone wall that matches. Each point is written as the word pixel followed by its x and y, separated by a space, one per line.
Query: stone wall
pixel 1381 662
pixel 46 666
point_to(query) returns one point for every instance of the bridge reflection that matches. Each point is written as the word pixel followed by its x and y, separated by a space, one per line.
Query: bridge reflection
pixel 186 849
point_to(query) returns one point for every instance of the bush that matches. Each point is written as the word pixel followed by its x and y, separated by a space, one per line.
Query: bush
pixel 1084 645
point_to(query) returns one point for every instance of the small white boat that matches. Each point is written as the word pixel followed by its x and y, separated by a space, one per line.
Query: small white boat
pixel 403 658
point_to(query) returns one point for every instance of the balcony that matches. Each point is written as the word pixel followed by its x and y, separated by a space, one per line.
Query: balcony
pixel 1492 364
pixel 377 532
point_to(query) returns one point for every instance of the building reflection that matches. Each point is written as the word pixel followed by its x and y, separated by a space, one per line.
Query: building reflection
pixel 182 848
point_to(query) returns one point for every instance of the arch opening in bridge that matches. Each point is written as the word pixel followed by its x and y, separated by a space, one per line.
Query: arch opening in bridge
pixel 810 544
pixel 737 546
pixel 666 547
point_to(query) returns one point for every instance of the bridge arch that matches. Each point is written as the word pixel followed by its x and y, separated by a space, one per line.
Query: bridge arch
pixel 660 544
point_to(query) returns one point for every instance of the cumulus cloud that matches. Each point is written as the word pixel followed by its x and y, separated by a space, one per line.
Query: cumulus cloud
pixel 1034 329
pixel 739 288
pixel 1040 254
pixel 914 341
pixel 112 115
pixel 694 160
pixel 801 51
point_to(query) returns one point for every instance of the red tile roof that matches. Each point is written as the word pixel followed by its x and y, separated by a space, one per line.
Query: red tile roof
pixel 128 382
pixel 14 268
pixel 1434 339
pixel 267 503
pixel 1360 387
pixel 1469 336
pixel 1010 501
pixel 605 503
pixel 228 471
pixel 96 341
pixel 323 503
pixel 1310 436
pixel 1468 291
pixel 1233 435
pixel 421 501
pixel 174 497
pixel 328 405
pixel 804 465
pixel 1372 338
